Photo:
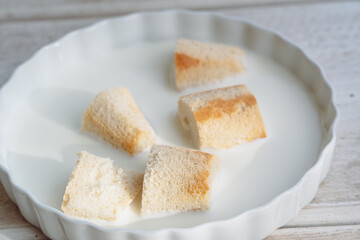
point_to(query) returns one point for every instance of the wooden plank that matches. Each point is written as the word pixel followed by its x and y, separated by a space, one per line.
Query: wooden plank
pixel 16 10
pixel 19 41
pixel 317 233
pixel 24 233
pixel 11 216
pixel 320 215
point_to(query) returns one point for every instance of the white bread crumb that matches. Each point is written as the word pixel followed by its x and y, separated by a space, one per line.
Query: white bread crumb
pixel 99 190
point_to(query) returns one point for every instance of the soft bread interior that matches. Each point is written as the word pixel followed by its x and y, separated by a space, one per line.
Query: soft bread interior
pixel 99 190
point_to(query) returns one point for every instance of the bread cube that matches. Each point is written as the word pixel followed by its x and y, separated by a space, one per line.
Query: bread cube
pixel 99 190
pixel 177 179
pixel 115 117
pixel 221 118
pixel 198 63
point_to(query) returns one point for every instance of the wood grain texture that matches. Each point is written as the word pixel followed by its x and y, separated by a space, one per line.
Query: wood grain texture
pixel 329 33
pixel 317 233
pixel 320 215
pixel 25 233
pixel 9 212
pixel 12 223
pixel 16 10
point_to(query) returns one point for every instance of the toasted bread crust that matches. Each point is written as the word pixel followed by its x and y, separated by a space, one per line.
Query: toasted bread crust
pixel 183 61
pixel 217 107
pixel 200 185
pixel 117 139
pixel 177 179
pixel 198 63
pixel 221 118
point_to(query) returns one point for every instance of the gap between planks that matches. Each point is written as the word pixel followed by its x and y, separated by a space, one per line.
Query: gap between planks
pixel 311 216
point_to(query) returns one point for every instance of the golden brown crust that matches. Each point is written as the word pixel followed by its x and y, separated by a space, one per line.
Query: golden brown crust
pixel 200 184
pixel 222 118
pixel 215 108
pixel 177 179
pixel 183 61
pixel 207 155
pixel 117 139
pixel 198 63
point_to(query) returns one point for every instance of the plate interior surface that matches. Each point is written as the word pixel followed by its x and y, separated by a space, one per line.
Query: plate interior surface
pixel 44 132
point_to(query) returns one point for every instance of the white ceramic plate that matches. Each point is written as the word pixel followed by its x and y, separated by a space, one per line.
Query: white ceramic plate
pixel 261 185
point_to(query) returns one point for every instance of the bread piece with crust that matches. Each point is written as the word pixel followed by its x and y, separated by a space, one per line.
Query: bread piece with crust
pixel 115 117
pixel 99 190
pixel 198 63
pixel 177 179
pixel 221 118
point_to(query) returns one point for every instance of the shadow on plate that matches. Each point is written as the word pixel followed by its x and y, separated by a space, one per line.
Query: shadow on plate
pixel 43 177
pixel 61 105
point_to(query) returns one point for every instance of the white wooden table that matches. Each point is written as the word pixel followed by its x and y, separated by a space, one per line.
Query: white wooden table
pixel 329 31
